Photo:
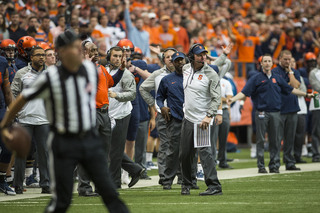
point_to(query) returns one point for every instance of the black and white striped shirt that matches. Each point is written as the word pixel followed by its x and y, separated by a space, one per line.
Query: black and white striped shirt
pixel 69 98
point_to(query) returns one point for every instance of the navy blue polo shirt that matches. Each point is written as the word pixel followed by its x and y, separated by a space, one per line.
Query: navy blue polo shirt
pixel 171 89
pixel 290 101
pixel 21 63
pixel 266 93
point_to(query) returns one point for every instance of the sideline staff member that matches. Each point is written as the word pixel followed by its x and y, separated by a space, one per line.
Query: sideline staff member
pixel 69 92
pixel 202 99
pixel 265 89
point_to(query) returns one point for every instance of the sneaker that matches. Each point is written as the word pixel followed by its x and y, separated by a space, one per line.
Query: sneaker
pixel 150 165
pixel 253 151
pixel 9 180
pixel 19 190
pixel 200 175
pixel 125 178
pixel 5 188
pixel 46 190
pixel 31 182
pixel 144 176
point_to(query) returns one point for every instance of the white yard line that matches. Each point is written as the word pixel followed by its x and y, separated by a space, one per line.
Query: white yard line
pixel 222 174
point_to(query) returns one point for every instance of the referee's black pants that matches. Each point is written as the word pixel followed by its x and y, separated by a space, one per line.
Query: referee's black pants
pixel 65 152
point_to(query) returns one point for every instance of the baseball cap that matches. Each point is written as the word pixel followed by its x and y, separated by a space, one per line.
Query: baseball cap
pixel 152 15
pixel 66 38
pixel 140 63
pixel 199 49
pixel 165 18
pixel 177 55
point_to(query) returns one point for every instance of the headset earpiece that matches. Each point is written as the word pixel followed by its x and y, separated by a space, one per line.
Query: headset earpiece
pixel 109 52
pixel 166 50
pixel 190 53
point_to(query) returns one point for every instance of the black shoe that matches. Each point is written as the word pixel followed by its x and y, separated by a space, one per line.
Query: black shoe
pixel 211 191
pixel 194 186
pixel 135 178
pixel 46 190
pixel 274 170
pixel 262 170
pixel 166 187
pixel 144 176
pixel 225 166
pixel 88 194
pixel 300 161
pixel 185 191
pixel 229 160
pixel 161 180
pixel 315 160
pixel 18 190
pixel 292 168
pixel 179 182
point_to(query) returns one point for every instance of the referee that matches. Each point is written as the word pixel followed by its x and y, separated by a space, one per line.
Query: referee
pixel 69 92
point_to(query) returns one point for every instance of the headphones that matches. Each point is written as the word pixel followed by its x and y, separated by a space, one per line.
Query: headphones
pixel 110 50
pixel 190 53
pixel 166 50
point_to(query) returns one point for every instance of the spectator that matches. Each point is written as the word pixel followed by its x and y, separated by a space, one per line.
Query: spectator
pixel 59 29
pixel 168 36
pixel 14 29
pixel 136 34
pixel 44 30
pixel 4 33
pixel 85 14
pixel 117 30
pixel 105 29
pixel 183 38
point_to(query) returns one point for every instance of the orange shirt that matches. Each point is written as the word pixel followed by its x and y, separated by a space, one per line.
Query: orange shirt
pixel 246 47
pixel 183 39
pixel 105 82
pixel 168 39
pixel 153 33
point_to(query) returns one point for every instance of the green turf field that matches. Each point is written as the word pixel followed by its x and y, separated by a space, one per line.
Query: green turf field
pixel 297 192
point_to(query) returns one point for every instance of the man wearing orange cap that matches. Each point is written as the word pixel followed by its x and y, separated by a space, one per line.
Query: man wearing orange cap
pixel 168 36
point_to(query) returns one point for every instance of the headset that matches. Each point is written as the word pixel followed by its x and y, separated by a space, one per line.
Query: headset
pixel 109 54
pixel 166 50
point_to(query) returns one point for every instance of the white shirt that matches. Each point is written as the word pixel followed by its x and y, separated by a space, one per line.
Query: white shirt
pixel 107 32
pixel 117 109
pixel 226 90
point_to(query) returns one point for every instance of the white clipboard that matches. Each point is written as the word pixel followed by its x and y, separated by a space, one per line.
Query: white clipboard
pixel 202 137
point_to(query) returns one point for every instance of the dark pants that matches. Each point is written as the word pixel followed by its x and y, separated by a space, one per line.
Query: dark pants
pixel 187 153
pixel 288 129
pixel 40 135
pixel 315 133
pixel 300 136
pixel 104 128
pixel 270 123
pixel 141 143
pixel 172 167
pixel 221 131
pixel 118 159
pixel 65 153
pixel 164 144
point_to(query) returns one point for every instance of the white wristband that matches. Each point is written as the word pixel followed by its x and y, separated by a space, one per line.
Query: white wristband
pixel 219 112
pixel 241 102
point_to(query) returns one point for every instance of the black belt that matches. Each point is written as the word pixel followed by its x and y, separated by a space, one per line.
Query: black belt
pixel 102 110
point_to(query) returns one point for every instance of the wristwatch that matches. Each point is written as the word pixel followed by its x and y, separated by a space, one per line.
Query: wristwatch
pixel 291 72
pixel 209 115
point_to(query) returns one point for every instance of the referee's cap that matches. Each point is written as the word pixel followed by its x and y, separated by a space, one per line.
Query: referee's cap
pixel 66 38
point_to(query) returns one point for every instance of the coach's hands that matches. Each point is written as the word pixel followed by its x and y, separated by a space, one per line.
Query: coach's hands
pixel 165 112
pixel 112 94
pixel 155 50
pixel 123 63
pixel 218 120
pixel 205 123
pixel 6 135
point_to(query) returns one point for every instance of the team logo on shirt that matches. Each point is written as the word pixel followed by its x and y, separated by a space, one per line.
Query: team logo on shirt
pixel 274 80
pixel 200 77
pixel 173 82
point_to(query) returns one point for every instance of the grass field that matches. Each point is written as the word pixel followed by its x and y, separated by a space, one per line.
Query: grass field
pixel 297 192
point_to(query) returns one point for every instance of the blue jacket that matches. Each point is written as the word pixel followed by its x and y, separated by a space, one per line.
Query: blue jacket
pixel 289 102
pixel 266 93
pixel 171 89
